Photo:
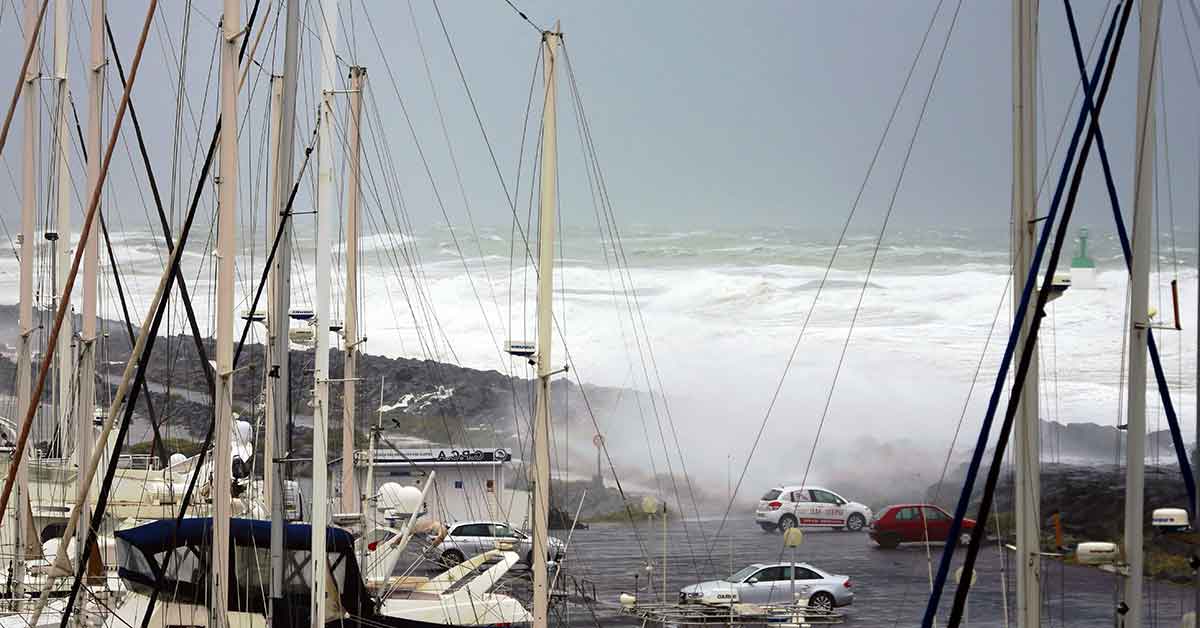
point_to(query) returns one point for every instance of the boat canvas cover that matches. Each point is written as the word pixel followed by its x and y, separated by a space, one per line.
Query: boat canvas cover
pixel 143 550
pixel 164 534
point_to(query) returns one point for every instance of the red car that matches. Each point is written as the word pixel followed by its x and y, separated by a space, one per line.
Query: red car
pixel 914 523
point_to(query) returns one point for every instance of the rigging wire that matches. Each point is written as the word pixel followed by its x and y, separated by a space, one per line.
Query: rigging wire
pixel 828 269
pixel 1188 39
pixel 504 362
pixel 1043 293
pixel 523 16
pixel 437 104
pixel 882 229
pixel 601 222
pixel 867 280
pixel 633 305
pixel 1000 308
pixel 116 277
pixel 483 131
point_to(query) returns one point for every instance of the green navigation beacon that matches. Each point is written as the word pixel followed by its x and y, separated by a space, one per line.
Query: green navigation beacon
pixel 1083 268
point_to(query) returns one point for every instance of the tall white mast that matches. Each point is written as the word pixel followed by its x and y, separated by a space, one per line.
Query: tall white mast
pixel 325 209
pixel 1024 215
pixel 85 409
pixel 29 207
pixel 62 194
pixel 226 252
pixel 351 500
pixel 275 323
pixel 545 320
pixel 277 386
pixel 1139 306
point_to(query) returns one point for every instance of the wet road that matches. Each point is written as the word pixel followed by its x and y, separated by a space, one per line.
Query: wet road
pixel 891 586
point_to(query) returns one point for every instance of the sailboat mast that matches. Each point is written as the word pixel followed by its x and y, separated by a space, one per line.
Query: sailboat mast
pixel 62 195
pixel 29 207
pixel 1024 215
pixel 279 383
pixel 275 324
pixel 325 209
pixel 85 409
pixel 1196 446
pixel 351 500
pixel 369 504
pixel 548 198
pixel 226 252
pixel 1139 306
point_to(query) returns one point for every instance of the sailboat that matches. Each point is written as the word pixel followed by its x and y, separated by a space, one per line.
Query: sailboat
pixel 53 475
pixel 223 561
pixel 164 563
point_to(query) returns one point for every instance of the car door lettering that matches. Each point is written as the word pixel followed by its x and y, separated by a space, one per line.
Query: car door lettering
pixel 825 508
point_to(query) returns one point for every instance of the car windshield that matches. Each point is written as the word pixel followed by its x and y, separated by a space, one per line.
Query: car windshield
pixel 742 574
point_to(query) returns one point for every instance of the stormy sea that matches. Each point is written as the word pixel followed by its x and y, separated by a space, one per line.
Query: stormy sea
pixel 715 364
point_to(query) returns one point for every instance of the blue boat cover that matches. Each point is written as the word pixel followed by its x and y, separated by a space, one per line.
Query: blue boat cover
pixel 158 536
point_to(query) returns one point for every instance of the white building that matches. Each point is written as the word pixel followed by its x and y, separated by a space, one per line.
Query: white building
pixel 469 483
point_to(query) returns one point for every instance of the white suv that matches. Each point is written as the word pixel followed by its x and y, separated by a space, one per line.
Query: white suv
pixel 786 507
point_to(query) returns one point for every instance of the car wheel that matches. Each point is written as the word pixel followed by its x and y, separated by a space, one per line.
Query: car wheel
pixel 888 541
pixel 855 522
pixel 786 522
pixel 451 558
pixel 821 601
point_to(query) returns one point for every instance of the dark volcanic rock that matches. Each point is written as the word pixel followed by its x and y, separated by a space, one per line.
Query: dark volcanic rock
pixel 1090 498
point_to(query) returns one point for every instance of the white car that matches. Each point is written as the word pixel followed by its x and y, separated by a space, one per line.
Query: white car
pixel 786 507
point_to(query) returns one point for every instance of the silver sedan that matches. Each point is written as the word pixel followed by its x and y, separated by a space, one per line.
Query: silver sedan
pixel 772 584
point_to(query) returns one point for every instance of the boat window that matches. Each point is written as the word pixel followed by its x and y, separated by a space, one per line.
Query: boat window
pixel 186 566
pixel 297 574
pixel 133 560
pixel 252 570
pixel 297 571
pixel 742 574
pixel 772 494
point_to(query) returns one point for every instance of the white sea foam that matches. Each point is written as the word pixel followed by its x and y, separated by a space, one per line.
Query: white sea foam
pixel 723 322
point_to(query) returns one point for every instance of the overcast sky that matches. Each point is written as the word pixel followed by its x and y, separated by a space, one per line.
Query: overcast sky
pixel 704 113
